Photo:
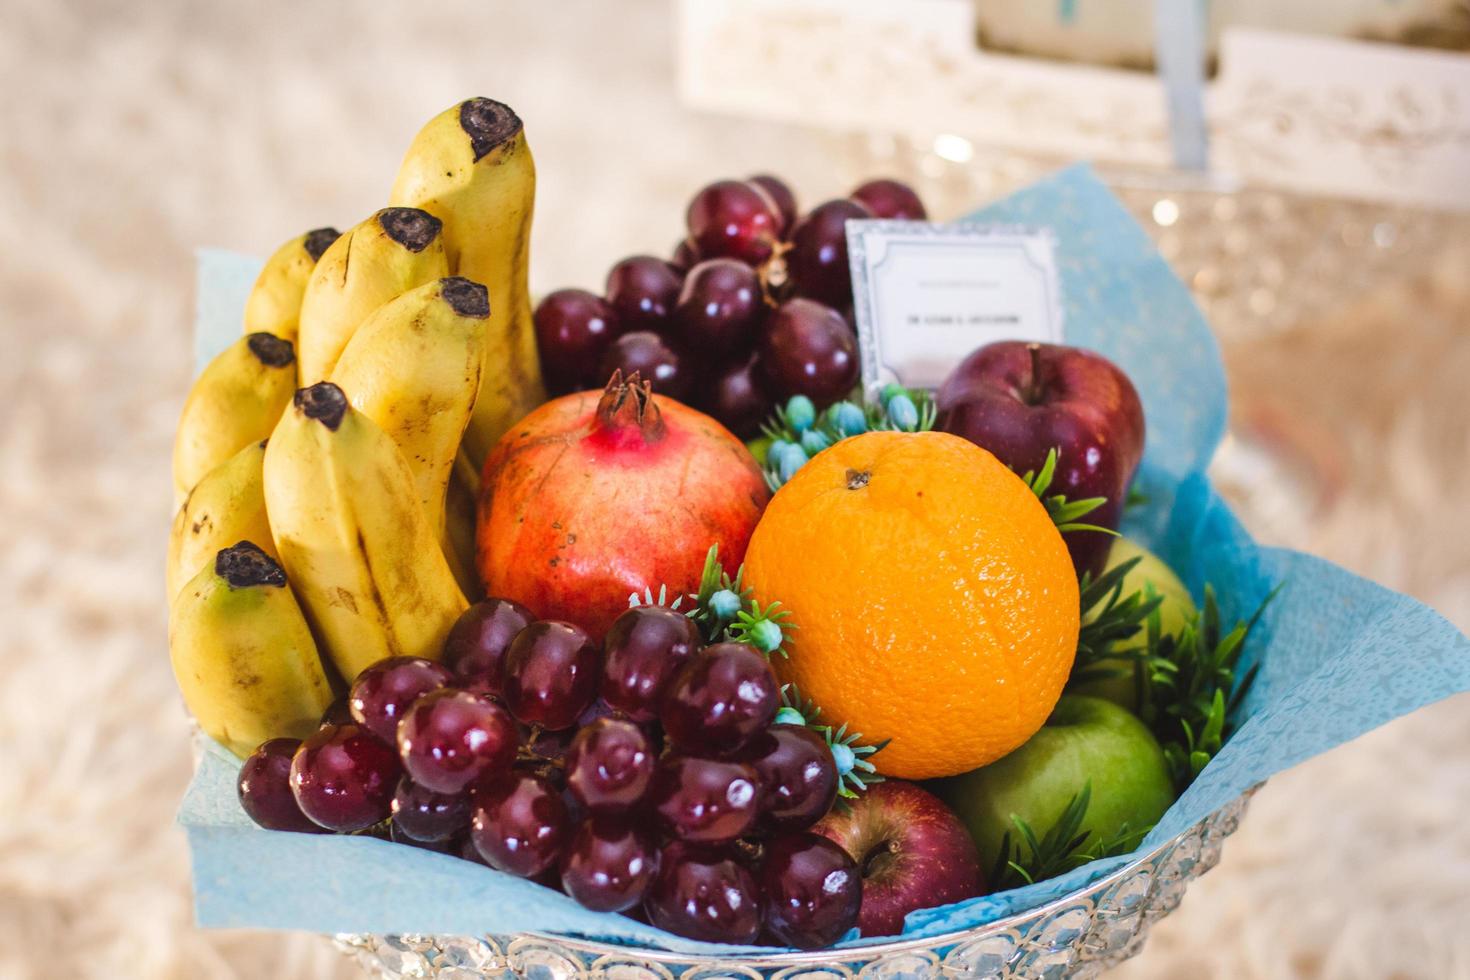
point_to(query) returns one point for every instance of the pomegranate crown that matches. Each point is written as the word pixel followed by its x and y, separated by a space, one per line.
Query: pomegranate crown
pixel 627 403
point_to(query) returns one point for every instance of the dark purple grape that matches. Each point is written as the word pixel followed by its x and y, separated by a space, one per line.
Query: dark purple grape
pixel 737 399
pixel 817 262
pixel 609 863
pixel 642 651
pixel 798 777
pixel 339 712
pixel 383 692
pixel 520 824
pixel 552 746
pixel 704 893
pixel 609 765
pixel 890 199
pixel 705 800
pixel 812 890
pixel 343 778
pixel 685 256
pixel 649 355
pixel 732 219
pixel 642 291
pixel 720 700
pixel 264 788
pixel 479 639
pixel 465 848
pixel 781 196
pixel 449 739
pixel 449 846
pixel 550 674
pixel 422 815
pixel 573 331
pixel 720 308
pixel 808 349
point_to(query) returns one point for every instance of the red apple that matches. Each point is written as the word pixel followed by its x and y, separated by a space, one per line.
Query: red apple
pixel 1020 400
pixel 913 852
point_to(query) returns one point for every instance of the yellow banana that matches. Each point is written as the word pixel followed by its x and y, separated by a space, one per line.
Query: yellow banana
pixel 274 305
pixel 353 536
pixel 459 535
pixel 471 166
pixel 228 505
pixel 414 368
pixel 243 655
pixel 385 256
pixel 236 400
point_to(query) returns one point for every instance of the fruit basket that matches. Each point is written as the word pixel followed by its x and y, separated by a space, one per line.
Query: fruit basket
pixel 1078 935
pixel 634 634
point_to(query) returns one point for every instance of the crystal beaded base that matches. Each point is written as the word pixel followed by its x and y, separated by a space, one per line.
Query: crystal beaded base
pixel 1080 935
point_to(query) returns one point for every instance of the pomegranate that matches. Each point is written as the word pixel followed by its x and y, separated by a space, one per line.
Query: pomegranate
pixel 593 497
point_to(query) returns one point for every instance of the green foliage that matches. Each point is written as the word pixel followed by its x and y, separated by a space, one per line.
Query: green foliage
pixel 1118 618
pixel 1193 687
pixel 1026 858
pixel 1064 514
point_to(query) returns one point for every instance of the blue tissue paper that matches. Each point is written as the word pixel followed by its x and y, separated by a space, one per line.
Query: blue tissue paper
pixel 1330 647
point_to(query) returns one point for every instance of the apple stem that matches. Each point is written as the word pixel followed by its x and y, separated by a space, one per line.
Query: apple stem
pixel 878 856
pixel 1033 390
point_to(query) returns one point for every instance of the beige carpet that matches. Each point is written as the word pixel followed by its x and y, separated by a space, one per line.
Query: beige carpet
pixel 131 133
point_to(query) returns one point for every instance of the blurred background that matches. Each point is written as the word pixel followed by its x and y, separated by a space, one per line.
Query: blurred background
pixel 134 134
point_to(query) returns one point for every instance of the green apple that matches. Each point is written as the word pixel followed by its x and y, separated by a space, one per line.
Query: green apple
pixel 1175 611
pixel 1085 739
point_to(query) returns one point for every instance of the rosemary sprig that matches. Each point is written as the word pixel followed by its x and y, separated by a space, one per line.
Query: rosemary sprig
pixel 1119 617
pixel 1192 688
pixel 1064 514
pixel 1026 858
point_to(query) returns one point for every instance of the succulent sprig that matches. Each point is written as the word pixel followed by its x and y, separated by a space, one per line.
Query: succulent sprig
pixel 647 598
pixel 1026 858
pixel 1118 617
pixel 720 598
pixel 725 610
pixel 852 756
pixel 765 629
pixel 1064 513
pixel 798 431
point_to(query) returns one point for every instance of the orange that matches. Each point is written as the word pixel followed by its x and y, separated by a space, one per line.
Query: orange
pixel 935 602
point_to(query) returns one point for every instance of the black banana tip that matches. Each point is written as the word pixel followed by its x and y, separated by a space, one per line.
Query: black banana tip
pixel 410 227
pixel 465 296
pixel 488 124
pixel 244 565
pixel 318 240
pixel 271 350
pixel 324 402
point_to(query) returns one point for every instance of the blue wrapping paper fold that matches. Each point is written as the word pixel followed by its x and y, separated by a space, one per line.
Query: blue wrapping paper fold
pixel 1331 646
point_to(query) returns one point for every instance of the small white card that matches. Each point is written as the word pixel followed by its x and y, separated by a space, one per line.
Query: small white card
pixel 925 295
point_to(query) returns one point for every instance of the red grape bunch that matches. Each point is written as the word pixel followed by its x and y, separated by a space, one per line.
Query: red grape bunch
pixel 643 773
pixel 753 308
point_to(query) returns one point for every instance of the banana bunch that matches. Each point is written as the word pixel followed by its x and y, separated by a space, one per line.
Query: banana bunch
pixel 471 167
pixel 326 466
